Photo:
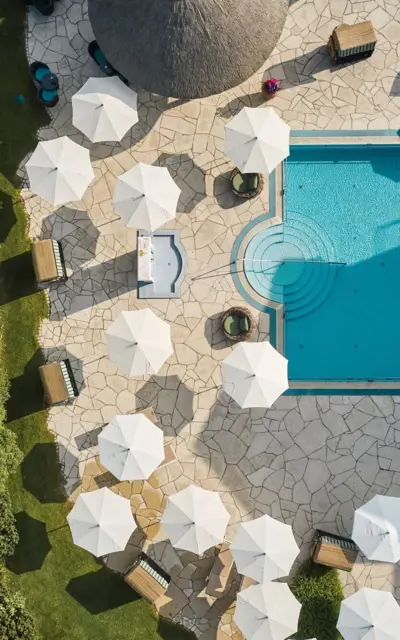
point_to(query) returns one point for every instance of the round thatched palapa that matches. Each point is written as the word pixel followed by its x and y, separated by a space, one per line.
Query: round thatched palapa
pixel 187 48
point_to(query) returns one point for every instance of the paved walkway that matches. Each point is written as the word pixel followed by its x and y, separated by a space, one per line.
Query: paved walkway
pixel 308 461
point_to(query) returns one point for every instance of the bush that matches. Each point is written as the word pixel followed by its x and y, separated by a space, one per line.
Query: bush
pixel 15 622
pixel 4 391
pixel 320 591
pixel 10 456
pixel 8 530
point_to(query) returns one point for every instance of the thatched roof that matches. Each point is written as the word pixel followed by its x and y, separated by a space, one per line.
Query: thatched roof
pixel 187 48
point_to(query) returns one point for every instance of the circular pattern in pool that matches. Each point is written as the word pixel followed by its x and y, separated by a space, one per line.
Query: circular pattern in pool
pixel 287 263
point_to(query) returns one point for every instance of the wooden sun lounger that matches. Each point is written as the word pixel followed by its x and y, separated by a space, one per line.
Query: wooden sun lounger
pixel 58 382
pixel 220 572
pixel 147 578
pixel 334 551
pixel 48 261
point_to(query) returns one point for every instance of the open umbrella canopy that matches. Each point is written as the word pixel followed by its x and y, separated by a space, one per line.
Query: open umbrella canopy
pixel 376 529
pixel 264 549
pixel 146 197
pixel 257 140
pixel 104 109
pixel 131 447
pixel 255 374
pixel 139 342
pixel 369 614
pixel 195 519
pixel 101 522
pixel 59 171
pixel 267 612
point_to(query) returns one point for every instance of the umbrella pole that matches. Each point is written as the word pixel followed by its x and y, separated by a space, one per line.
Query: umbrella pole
pixel 107 222
pixel 58 528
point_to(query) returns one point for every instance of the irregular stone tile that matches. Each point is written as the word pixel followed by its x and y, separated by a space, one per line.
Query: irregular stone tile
pixel 312 437
pixel 316 475
pixel 308 408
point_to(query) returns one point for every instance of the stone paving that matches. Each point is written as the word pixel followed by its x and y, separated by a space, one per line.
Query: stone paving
pixel 310 461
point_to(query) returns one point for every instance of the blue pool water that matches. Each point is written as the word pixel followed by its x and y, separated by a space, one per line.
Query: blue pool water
pixel 335 263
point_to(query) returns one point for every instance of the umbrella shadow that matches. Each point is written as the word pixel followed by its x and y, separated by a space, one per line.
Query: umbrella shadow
pixel 189 177
pixel 101 591
pixel 106 479
pixel 172 400
pixel 88 439
pixel 223 192
pixel 302 69
pixel 42 474
pixel 97 283
pixel 28 387
pixel 17 278
pixel 149 112
pixel 33 546
pixel 395 89
pixel 232 108
pixel 216 611
pixel 290 73
pixel 77 233
pixel 69 464
pixel 214 333
pixel 7 214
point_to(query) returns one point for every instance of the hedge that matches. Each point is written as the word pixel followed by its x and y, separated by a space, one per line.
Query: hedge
pixel 320 591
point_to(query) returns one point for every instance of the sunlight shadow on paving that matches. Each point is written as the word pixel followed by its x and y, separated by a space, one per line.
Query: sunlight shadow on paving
pixel 169 397
pixel 75 230
pixel 189 177
pixel 97 283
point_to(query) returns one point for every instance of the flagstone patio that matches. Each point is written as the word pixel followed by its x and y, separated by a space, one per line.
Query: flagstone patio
pixel 310 461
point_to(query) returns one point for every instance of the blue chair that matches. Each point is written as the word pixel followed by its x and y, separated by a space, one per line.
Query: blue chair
pixel 45 82
pixel 43 77
pixel 98 56
pixel 38 71
pixel 48 98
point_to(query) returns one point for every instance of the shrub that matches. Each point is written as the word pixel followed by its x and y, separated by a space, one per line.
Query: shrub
pixel 10 455
pixel 15 622
pixel 4 391
pixel 8 530
pixel 320 591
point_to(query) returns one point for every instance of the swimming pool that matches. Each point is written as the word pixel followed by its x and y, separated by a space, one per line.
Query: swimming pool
pixel 334 263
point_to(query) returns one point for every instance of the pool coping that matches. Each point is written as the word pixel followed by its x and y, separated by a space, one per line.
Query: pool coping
pixel 275 215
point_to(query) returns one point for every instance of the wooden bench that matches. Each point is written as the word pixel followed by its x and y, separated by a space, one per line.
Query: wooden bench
pixel 147 578
pixel 58 382
pixel 48 261
pixel 334 551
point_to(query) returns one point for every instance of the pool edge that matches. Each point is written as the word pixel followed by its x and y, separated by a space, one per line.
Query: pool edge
pixel 275 215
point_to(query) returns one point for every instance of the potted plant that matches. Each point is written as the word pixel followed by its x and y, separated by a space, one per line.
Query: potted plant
pixel 269 88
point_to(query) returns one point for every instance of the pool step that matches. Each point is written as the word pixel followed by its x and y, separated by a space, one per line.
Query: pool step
pixel 300 278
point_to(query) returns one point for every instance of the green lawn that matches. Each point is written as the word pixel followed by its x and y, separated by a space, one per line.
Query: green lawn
pixel 71 596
